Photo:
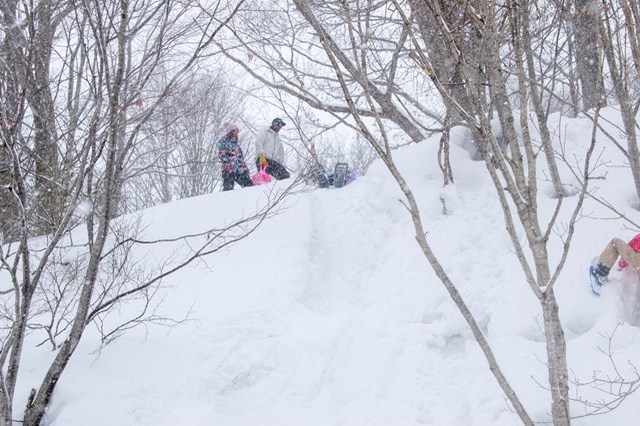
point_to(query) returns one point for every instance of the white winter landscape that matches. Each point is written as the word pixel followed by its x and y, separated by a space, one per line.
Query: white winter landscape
pixel 328 314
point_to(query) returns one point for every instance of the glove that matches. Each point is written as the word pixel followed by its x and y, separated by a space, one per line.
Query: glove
pixel 262 159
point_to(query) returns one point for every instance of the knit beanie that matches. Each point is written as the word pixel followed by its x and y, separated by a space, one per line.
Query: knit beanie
pixel 229 127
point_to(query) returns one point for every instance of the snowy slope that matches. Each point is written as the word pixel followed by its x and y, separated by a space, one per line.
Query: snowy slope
pixel 329 315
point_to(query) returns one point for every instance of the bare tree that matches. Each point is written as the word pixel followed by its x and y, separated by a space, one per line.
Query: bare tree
pixel 344 37
pixel 618 21
pixel 515 181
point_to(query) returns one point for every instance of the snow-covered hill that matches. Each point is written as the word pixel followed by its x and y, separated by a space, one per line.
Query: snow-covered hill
pixel 328 314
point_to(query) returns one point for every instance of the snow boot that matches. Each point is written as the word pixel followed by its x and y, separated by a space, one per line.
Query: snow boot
pixel 318 174
pixel 597 275
pixel 340 175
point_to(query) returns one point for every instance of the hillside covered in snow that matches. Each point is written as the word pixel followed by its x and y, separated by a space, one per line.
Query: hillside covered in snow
pixel 328 314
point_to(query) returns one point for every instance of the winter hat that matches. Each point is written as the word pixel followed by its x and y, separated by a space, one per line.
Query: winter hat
pixel 229 127
pixel 278 121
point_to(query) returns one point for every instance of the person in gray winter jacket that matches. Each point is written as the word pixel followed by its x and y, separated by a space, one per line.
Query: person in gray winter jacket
pixel 269 150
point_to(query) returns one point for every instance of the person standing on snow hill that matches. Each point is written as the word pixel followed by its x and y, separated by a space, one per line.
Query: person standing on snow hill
pixel 234 168
pixel 601 265
pixel 270 151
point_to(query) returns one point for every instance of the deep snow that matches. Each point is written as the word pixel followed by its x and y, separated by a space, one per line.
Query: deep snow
pixel 329 315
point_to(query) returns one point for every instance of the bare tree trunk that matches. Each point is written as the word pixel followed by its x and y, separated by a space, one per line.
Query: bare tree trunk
pixel 50 199
pixel 588 53
pixel 524 45
pixel 443 153
pixel 631 11
pixel 557 358
pixel 447 69
pixel 574 106
pixel 622 94
pixel 524 194
pixel 12 73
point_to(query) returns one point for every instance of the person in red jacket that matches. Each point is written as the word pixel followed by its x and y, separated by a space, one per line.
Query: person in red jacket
pixel 629 254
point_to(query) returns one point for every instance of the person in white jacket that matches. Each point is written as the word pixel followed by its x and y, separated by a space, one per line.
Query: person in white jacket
pixel 270 152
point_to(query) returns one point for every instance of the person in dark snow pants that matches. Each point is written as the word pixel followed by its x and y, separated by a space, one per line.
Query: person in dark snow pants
pixel 269 150
pixel 234 169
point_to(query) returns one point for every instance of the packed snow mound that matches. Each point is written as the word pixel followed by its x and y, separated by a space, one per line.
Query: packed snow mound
pixel 329 314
